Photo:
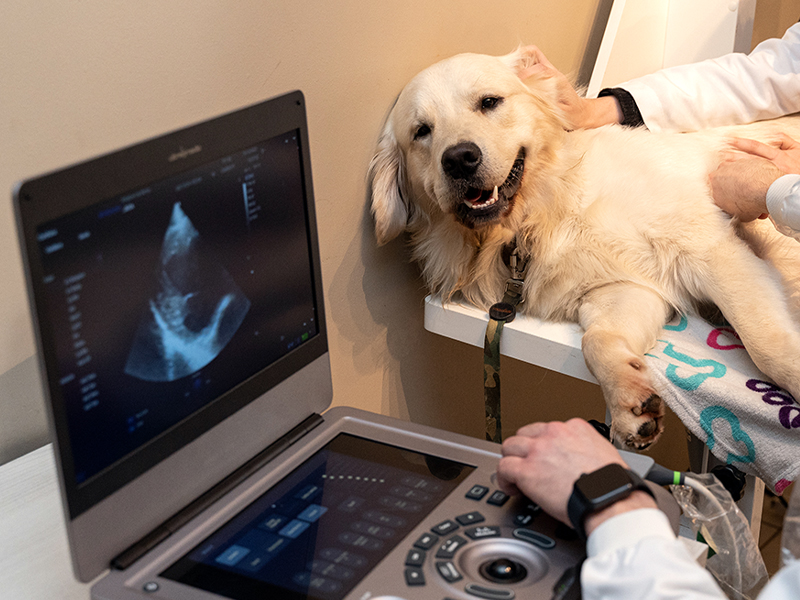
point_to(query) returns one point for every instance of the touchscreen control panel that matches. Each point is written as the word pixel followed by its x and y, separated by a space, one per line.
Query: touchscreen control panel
pixel 362 519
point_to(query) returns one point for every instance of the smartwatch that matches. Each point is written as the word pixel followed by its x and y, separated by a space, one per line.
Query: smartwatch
pixel 595 491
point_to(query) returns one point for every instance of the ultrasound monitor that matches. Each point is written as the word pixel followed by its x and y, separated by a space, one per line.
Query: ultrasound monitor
pixel 175 283
pixel 150 332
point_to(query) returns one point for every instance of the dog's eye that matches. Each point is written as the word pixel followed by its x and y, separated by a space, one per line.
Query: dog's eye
pixel 421 131
pixel 490 102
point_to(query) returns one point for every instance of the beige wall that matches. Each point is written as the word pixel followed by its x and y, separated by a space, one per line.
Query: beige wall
pixel 773 17
pixel 78 78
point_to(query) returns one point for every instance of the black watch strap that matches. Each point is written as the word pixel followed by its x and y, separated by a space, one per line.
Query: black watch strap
pixel 631 117
pixel 593 492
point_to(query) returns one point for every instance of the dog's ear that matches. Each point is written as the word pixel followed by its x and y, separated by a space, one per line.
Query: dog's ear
pixel 527 61
pixel 389 208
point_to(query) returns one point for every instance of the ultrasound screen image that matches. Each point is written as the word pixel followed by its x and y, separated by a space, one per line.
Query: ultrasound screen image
pixel 169 296
pixel 196 311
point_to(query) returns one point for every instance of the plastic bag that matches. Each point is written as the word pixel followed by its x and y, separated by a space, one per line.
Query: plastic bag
pixel 735 562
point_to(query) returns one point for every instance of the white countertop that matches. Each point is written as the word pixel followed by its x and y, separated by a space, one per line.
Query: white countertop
pixel 34 555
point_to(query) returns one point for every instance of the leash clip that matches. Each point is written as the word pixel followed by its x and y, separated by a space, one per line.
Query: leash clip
pixel 517 264
pixel 514 287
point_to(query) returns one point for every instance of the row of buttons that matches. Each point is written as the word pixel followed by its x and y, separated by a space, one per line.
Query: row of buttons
pixel 416 556
pixel 477 492
pixel 498 498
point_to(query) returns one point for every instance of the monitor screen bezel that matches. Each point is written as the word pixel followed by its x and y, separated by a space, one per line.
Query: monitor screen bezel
pixel 54 195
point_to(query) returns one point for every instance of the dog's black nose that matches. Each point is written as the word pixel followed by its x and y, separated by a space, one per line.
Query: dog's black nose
pixel 462 160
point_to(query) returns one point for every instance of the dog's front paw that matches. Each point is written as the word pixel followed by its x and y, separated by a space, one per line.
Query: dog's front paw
pixel 641 424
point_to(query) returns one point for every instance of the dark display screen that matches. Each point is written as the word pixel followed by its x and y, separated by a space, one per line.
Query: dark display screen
pixel 319 531
pixel 166 297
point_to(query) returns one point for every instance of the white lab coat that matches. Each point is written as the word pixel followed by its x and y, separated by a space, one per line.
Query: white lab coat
pixel 636 555
pixel 730 90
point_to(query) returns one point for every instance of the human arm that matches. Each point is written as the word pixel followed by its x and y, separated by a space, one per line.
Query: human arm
pixel 786 582
pixel 783 205
pixel 732 89
pixel 761 180
pixel 636 555
pixel 631 549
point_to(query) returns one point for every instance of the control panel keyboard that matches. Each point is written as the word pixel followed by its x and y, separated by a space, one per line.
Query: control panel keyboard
pixel 481 544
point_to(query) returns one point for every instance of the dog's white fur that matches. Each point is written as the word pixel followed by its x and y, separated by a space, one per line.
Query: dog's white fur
pixel 619 223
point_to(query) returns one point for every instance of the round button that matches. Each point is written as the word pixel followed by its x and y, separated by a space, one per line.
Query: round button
pixel 150 587
pixel 503 570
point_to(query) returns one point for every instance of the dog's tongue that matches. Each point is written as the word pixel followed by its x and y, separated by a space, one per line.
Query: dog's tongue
pixel 473 195
pixel 476 198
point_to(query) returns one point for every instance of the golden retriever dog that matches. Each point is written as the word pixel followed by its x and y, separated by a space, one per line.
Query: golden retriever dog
pixel 619 224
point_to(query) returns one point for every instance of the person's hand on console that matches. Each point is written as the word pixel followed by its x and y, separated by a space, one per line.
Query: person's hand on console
pixel 543 461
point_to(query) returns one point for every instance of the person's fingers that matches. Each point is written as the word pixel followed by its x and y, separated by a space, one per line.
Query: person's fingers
pixel 518 446
pixel 508 487
pixel 532 429
pixel 788 143
pixel 539 56
pixel 508 470
pixel 538 70
pixel 755 148
pixel 729 156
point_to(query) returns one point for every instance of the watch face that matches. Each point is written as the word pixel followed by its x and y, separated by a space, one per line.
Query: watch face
pixel 605 485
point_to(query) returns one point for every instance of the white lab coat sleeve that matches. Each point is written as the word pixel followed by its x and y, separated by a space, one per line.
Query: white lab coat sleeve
pixel 729 90
pixel 783 205
pixel 636 555
pixel 784 585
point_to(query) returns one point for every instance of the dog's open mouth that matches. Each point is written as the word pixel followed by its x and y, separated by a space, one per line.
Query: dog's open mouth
pixel 482 206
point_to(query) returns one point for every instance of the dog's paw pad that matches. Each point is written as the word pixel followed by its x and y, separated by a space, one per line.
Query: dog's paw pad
pixel 647 429
pixel 646 435
pixel 640 426
pixel 652 405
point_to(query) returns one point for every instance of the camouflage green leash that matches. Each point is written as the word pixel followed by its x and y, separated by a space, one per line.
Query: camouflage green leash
pixel 499 314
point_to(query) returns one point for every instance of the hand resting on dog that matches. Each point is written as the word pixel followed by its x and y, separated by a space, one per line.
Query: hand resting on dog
pixel 578 111
pixel 740 183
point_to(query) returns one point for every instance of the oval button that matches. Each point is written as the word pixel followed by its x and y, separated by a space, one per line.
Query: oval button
pixel 488 593
pixel 535 538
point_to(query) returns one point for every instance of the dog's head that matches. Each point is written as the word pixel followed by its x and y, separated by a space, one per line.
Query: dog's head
pixel 462 140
